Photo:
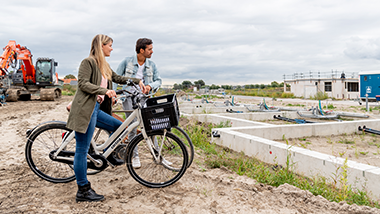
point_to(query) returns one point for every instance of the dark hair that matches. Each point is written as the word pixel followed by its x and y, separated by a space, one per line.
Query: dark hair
pixel 142 43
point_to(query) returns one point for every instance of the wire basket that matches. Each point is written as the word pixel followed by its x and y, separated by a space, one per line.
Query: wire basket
pixel 160 113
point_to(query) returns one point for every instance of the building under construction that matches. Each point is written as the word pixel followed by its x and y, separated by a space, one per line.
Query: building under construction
pixel 336 84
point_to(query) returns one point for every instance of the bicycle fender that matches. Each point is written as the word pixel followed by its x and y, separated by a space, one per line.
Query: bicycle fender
pixel 30 131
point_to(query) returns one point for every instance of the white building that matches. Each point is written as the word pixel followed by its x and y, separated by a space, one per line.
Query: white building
pixel 336 84
pixel 167 86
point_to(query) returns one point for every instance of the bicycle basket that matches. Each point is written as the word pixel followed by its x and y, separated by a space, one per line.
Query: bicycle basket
pixel 160 113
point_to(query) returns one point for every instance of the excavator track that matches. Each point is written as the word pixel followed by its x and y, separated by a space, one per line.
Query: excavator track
pixel 47 94
pixel 13 95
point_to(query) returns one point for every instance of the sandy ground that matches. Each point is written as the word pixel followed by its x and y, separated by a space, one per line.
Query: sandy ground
pixel 200 190
pixel 359 147
pixel 356 147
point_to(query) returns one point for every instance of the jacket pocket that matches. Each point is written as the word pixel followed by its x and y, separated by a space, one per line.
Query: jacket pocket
pixel 128 72
pixel 148 76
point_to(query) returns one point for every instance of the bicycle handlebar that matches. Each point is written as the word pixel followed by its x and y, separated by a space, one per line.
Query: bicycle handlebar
pixel 137 94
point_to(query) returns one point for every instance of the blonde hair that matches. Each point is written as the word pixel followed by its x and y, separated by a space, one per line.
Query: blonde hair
pixel 97 54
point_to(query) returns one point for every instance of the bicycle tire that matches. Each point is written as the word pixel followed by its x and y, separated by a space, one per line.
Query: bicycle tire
pixel 156 174
pixel 188 143
pixel 36 135
pixel 40 143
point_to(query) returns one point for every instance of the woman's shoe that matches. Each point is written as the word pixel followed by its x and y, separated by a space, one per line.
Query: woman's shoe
pixel 85 193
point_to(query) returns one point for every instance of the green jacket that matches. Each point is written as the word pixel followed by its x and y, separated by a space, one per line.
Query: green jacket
pixel 89 79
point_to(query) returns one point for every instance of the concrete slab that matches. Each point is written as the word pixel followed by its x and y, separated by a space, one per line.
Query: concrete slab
pixel 302 161
pixel 256 139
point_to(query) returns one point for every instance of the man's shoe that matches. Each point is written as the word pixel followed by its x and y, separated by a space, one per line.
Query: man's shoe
pixel 136 162
pixel 85 193
pixel 115 161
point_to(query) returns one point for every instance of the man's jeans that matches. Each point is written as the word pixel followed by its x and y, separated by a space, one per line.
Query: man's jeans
pixel 101 120
pixel 127 105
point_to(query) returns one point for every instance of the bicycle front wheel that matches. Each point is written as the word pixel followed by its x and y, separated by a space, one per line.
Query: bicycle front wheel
pixel 167 169
pixel 187 141
pixel 43 141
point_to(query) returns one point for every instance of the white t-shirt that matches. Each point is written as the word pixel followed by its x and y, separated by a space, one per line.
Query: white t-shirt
pixel 140 74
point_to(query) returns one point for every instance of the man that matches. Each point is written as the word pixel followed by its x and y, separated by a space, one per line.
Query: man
pixel 139 66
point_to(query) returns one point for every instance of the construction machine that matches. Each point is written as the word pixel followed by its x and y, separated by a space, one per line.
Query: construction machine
pixel 19 78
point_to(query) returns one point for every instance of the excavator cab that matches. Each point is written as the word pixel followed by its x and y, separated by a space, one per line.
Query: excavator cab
pixel 45 71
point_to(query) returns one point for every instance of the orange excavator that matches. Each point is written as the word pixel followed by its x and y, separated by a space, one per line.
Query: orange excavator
pixel 19 78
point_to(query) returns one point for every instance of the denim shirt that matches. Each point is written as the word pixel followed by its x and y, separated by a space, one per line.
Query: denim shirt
pixel 129 67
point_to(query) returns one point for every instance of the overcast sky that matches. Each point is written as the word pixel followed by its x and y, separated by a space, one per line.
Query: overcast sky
pixel 218 41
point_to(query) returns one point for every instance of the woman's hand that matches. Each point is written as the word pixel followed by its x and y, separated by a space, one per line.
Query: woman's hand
pixel 111 93
pixel 68 107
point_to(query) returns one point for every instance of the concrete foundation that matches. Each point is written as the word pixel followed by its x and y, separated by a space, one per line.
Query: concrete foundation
pixel 256 139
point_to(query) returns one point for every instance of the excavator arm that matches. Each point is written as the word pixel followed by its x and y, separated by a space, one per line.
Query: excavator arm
pixel 8 58
pixel 12 53
pixel 28 70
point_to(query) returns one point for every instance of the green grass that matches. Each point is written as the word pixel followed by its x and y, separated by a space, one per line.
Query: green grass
pixel 266 92
pixel 295 105
pixel 216 156
pixel 206 96
pixel 68 90
pixel 320 96
pixel 330 106
pixel 68 93
pixel 346 141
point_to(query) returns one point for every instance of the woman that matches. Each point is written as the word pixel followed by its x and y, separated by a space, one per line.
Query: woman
pixel 94 92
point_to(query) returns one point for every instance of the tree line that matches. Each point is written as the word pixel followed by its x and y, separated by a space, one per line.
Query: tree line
pixel 186 84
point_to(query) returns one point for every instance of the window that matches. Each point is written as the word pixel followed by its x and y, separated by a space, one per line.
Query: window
pixel 43 71
pixel 353 87
pixel 328 87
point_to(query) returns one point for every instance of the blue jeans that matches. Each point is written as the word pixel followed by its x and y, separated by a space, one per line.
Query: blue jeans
pixel 101 120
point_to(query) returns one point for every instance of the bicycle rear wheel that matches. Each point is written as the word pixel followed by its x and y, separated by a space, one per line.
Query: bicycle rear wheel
pixel 48 138
pixel 169 167
pixel 38 147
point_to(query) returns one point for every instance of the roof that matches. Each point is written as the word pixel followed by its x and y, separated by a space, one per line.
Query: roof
pixel 369 72
pixel 67 81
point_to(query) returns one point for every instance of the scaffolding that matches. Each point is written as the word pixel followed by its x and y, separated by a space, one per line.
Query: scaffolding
pixel 321 75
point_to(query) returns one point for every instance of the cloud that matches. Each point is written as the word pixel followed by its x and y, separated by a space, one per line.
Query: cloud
pixel 358 48
pixel 220 42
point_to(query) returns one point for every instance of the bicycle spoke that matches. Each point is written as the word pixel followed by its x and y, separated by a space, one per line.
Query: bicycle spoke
pixel 41 143
pixel 169 167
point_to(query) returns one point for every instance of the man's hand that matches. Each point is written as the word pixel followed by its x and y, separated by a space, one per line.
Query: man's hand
pixel 147 89
pixel 142 86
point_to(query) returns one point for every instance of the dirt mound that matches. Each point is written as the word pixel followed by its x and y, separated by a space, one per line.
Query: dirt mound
pixel 200 190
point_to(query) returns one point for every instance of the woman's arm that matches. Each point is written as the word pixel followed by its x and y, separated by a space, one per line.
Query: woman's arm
pixel 122 80
pixel 86 70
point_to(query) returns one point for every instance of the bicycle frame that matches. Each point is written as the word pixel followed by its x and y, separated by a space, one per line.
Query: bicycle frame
pixel 115 139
